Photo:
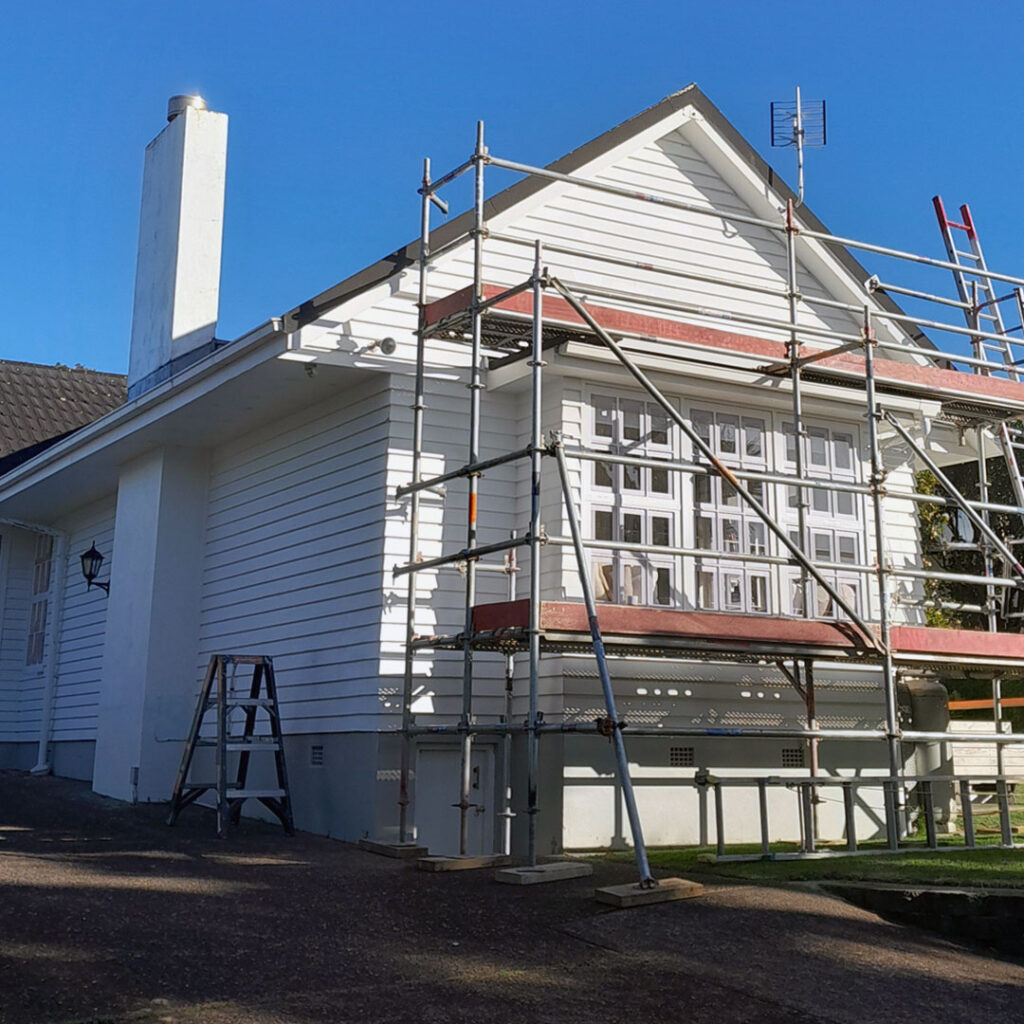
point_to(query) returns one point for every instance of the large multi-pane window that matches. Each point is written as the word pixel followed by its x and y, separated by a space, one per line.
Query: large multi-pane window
pixel 650 507
pixel 723 522
pixel 833 518
pixel 633 504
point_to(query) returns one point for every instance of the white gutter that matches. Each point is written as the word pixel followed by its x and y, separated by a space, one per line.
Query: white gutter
pixel 140 406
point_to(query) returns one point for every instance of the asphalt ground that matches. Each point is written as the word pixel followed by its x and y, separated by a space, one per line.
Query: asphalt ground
pixel 107 915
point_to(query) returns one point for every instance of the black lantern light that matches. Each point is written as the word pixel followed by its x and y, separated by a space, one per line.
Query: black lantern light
pixel 91 562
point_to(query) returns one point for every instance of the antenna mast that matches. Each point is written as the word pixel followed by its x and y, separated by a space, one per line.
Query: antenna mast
pixel 799 125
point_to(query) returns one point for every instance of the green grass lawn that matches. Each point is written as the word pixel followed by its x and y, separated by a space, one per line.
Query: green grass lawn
pixel 988 866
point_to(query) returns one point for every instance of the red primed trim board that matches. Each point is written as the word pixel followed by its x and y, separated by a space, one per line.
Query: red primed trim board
pixel 620 321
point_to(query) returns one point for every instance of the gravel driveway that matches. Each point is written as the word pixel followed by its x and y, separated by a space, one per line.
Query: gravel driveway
pixel 108 915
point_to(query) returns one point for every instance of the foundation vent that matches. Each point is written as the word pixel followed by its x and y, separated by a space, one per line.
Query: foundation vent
pixel 681 757
pixel 316 755
pixel 792 757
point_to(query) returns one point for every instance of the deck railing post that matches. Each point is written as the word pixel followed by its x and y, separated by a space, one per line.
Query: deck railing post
pixel 967 811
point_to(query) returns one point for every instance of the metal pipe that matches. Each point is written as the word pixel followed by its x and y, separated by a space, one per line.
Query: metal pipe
pixel 811 483
pixel 955 577
pixel 873 284
pixel 913 736
pixel 467 555
pixel 430 188
pixel 536 456
pixel 762 807
pixel 719 820
pixel 1005 826
pixel 928 801
pixel 812 744
pixel 456 474
pixel 793 352
pixel 707 553
pixel 622 762
pixel 473 456
pixel 850 816
pixel 900 254
pixel 849 307
pixel 968 812
pixel 709 312
pixel 443 250
pixel 969 511
pixel 414 516
pixel 973 315
pixel 719 466
pixel 877 482
pixel 735 732
pixel 506 813
pixel 678 204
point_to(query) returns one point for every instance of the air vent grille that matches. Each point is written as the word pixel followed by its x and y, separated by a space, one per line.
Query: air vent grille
pixel 681 757
pixel 792 757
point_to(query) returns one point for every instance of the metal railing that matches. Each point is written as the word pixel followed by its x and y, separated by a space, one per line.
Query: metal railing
pixel 919 790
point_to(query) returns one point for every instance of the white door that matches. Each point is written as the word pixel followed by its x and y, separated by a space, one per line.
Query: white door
pixel 437 789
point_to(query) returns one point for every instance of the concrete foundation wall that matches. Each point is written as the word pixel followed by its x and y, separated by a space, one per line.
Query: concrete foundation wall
pixel 74 759
pixel 18 756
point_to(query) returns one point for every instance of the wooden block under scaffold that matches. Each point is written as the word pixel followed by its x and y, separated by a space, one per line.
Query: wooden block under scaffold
pixel 634 895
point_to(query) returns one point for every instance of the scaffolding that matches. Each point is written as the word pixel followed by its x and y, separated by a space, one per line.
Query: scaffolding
pixel 511 323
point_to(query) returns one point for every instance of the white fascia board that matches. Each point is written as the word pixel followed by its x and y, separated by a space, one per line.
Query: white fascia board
pixel 263 343
pixel 769 205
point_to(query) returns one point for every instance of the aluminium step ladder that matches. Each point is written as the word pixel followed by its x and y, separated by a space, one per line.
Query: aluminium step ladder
pixel 219 694
pixel 983 312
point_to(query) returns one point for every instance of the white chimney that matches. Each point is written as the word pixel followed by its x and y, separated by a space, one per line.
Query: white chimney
pixel 177 277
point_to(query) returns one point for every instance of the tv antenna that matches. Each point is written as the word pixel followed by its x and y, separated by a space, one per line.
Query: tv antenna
pixel 800 124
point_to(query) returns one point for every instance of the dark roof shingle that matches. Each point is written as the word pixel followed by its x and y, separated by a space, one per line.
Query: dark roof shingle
pixel 42 403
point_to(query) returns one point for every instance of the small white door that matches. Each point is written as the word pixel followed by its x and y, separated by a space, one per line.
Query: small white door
pixel 437 790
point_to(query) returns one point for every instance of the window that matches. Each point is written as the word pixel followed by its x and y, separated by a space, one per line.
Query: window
pixel 723 522
pixel 834 532
pixel 628 426
pixel 42 571
pixel 633 505
pixel 623 576
pixel 636 511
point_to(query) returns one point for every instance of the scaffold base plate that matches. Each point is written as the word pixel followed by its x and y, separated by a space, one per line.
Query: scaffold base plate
pixel 634 896
pixel 460 863
pixel 556 871
pixel 401 851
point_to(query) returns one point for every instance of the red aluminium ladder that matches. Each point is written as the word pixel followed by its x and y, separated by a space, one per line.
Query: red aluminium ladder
pixel 994 343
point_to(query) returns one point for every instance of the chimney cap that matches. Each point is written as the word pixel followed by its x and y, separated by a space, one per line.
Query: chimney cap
pixel 179 104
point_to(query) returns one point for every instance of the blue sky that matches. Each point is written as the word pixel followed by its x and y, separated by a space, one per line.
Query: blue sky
pixel 334 105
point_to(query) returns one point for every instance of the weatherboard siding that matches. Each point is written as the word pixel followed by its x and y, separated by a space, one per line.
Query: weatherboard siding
pixel 293 555
pixel 441 593
pixel 83 626
pixel 21 685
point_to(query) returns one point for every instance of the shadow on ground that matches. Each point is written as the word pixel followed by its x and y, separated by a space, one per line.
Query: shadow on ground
pixel 108 915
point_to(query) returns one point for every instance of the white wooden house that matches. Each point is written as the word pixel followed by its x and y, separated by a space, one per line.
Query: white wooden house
pixel 245 500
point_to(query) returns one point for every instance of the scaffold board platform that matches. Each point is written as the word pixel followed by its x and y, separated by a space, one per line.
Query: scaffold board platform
pixel 663 632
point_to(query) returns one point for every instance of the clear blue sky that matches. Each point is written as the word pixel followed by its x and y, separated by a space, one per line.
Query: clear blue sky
pixel 333 106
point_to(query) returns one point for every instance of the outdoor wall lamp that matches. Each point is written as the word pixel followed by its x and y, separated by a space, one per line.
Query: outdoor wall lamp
pixel 91 562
